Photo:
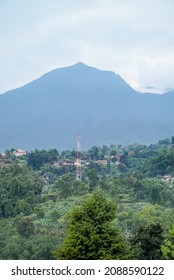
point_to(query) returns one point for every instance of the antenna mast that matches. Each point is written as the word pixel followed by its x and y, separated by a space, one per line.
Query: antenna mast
pixel 78 160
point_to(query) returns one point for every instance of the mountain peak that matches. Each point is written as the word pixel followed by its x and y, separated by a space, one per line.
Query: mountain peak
pixel 80 64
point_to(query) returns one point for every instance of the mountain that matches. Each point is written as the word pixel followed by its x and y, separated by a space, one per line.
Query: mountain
pixel 50 111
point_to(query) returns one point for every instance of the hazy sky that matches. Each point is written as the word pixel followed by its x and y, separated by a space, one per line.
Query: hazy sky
pixel 133 38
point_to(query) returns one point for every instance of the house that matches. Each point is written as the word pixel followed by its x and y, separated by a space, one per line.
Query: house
pixel 69 162
pixel 19 153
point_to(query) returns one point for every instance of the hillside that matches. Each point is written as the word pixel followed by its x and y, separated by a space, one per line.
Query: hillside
pixel 100 105
pixel 43 205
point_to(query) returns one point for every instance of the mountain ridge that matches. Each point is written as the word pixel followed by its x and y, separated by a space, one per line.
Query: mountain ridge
pixel 49 111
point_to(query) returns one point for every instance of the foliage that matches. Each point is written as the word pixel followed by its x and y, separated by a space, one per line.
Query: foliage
pixel 152 214
pixel 92 179
pixel 25 226
pixel 148 241
pixel 67 185
pixel 168 247
pixel 36 197
pixel 19 190
pixel 90 231
pixel 37 158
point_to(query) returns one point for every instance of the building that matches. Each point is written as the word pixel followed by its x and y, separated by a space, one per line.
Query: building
pixel 19 153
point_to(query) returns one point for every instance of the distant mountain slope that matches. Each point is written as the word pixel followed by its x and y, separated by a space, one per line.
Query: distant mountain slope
pixel 100 105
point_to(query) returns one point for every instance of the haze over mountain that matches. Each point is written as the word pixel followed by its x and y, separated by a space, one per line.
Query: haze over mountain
pixel 100 105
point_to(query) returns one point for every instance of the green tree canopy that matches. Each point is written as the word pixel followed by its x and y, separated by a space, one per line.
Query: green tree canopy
pixel 148 240
pixel 168 247
pixel 91 234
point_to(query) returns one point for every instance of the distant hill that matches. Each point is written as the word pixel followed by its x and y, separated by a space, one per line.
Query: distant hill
pixel 100 105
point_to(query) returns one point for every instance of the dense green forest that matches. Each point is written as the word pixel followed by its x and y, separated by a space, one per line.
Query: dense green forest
pixel 123 208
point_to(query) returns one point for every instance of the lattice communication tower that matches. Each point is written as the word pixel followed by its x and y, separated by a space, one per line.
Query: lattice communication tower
pixel 78 160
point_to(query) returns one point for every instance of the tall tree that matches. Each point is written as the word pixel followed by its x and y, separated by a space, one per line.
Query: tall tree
pixel 91 234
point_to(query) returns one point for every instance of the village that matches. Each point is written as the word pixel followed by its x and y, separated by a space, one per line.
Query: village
pixel 10 156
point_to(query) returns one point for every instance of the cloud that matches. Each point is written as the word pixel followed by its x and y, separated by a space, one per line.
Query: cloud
pixel 134 38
